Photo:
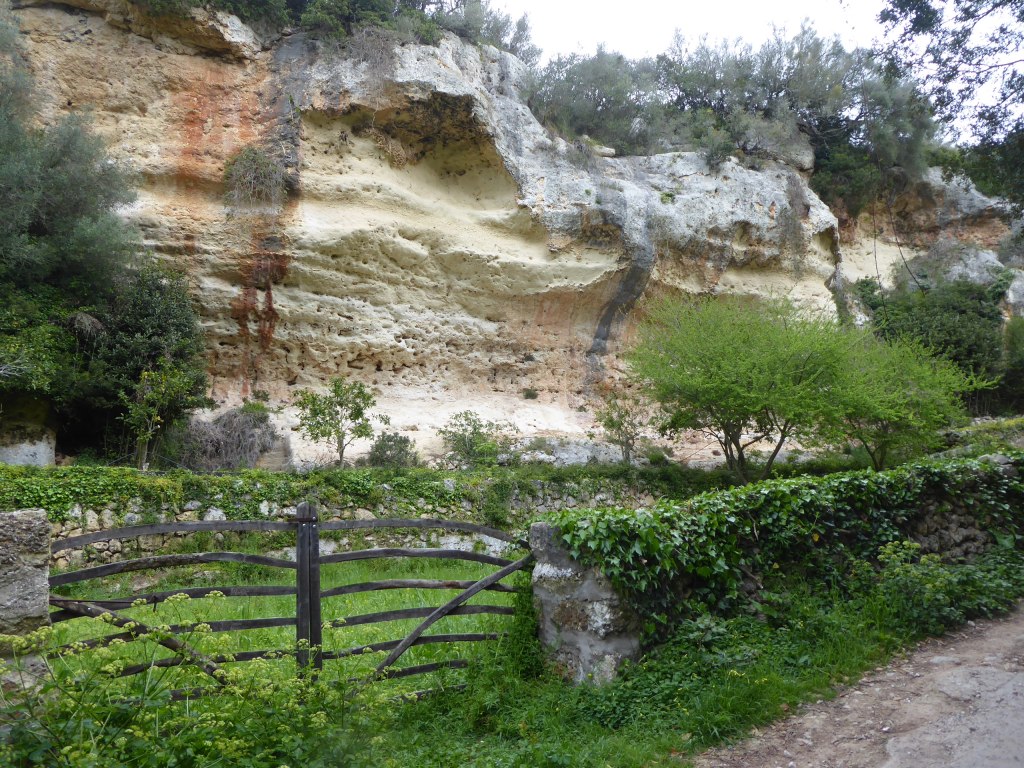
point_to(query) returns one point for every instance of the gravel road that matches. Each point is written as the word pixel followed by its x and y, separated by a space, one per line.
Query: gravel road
pixel 952 702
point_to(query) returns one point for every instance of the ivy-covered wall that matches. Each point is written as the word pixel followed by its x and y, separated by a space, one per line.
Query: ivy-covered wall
pixel 683 557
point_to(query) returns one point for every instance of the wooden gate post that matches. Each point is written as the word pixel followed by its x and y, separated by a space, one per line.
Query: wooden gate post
pixel 308 620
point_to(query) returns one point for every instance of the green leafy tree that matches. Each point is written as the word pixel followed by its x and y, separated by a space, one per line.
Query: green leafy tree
pixel 157 400
pixel 625 417
pixel 339 416
pixel 471 441
pixel 894 397
pixel 604 96
pixel 740 372
pixel 338 18
pixel 958 320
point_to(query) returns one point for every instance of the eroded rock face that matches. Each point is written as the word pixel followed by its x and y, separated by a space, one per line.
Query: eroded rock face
pixel 437 237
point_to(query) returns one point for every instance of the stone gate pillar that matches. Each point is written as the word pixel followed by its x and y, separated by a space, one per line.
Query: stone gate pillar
pixel 586 627
pixel 24 571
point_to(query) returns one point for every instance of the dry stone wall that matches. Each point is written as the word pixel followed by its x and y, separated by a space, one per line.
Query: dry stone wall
pixel 540 498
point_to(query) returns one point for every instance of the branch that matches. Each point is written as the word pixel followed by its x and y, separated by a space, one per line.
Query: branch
pixel 13 368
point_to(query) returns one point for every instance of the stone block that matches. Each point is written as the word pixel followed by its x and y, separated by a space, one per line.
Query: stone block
pixel 24 570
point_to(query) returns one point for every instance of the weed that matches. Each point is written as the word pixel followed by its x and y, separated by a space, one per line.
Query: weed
pixel 254 176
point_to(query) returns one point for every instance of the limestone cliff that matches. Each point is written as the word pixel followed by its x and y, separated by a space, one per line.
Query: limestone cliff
pixel 437 242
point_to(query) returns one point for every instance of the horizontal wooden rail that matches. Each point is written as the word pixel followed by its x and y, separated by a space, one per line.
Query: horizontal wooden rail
pixel 374 586
pixel 134 531
pixel 153 598
pixel 442 554
pixel 178 661
pixel 135 628
pixel 155 529
pixel 166 561
pixel 455 526
pixel 215 626
pixel 420 669
pixel 417 613
pixel 184 694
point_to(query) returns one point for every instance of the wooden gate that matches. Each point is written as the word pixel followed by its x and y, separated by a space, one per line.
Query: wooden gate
pixel 309 617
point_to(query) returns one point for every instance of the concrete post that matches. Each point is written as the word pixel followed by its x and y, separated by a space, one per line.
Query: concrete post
pixel 24 594
pixel 586 627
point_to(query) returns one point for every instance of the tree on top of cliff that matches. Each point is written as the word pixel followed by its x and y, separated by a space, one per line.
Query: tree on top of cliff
pixel 968 54
pixel 798 98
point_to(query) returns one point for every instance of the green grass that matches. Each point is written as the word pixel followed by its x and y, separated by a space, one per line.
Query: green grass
pixel 201 610
pixel 711 680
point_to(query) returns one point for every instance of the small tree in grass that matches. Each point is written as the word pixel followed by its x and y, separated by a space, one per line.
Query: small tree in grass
pixel 339 416
pixel 624 417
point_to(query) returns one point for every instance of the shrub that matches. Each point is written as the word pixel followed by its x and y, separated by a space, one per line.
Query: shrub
pixel 684 558
pixel 470 441
pixel 624 418
pixel 252 175
pixel 391 449
pixel 530 393
pixel 234 440
pixel 80 713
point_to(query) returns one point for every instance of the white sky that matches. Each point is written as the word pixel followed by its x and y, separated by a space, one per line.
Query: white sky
pixel 640 28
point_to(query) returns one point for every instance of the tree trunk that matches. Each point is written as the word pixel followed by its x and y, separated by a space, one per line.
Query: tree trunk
pixel 142 453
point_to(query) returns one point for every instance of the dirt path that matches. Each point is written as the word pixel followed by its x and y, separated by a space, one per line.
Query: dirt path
pixel 953 702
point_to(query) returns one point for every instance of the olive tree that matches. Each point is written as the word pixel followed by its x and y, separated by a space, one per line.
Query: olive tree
pixel 339 416
pixel 968 55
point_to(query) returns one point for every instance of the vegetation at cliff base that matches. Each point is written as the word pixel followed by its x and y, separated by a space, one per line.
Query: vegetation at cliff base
pixel 836 590
pixel 745 372
pixel 87 320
